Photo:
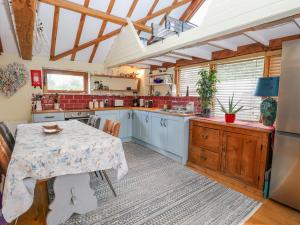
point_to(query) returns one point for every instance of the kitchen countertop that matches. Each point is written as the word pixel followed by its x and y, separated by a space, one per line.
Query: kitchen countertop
pixel 238 123
pixel 158 110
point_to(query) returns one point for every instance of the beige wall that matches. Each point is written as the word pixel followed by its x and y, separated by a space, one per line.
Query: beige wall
pixel 18 106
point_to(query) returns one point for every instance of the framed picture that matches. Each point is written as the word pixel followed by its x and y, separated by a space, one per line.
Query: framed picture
pixel 36 78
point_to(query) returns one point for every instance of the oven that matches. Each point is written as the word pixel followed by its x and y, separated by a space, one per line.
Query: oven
pixel 82 116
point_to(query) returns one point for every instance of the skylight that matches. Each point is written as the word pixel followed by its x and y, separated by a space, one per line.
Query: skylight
pixel 200 15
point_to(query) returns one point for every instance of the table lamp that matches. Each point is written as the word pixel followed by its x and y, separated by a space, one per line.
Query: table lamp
pixel 268 87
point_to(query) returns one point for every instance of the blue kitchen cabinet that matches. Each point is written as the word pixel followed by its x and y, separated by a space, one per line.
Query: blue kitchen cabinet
pixel 126 124
pixel 174 134
pixel 108 115
pixel 48 117
pixel 145 124
pixel 136 124
pixel 169 135
pixel 157 130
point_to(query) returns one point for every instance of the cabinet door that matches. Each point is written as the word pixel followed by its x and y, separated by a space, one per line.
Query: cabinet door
pixel 136 124
pixel 241 157
pixel 145 126
pixel 126 123
pixel 157 130
pixel 174 135
pixel 107 115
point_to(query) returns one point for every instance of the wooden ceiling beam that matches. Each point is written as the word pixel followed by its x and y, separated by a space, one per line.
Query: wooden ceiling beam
pixel 275 44
pixel 191 10
pixel 80 28
pixel 86 45
pixel 109 35
pixel 54 31
pixel 102 29
pixel 167 13
pixel 163 11
pixel 132 7
pixel 94 13
pixel 24 17
pixel 151 10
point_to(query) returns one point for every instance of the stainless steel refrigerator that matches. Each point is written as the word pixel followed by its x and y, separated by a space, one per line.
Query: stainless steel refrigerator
pixel 285 175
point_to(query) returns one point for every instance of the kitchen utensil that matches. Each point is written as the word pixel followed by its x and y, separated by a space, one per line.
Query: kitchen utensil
pixel 141 102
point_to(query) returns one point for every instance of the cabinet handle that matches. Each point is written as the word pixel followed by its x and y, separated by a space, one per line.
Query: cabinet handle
pixel 165 123
pixel 132 115
pixel 128 115
pixel 49 117
pixel 161 122
pixel 147 118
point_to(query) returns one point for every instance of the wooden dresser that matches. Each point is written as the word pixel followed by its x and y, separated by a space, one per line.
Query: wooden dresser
pixel 240 150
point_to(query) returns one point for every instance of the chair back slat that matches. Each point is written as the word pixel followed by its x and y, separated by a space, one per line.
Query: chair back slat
pixel 7 135
pixel 5 155
pixel 112 127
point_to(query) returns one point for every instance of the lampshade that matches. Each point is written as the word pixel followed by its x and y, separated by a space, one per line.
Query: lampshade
pixel 267 86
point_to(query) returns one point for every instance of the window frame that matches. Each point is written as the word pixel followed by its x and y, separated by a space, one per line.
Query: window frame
pixel 65 72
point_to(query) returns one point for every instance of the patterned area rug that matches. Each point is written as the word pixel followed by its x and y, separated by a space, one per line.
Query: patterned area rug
pixel 158 190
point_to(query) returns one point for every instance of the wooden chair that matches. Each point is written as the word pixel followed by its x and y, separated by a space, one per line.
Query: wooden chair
pixel 5 155
pixel 112 128
pixel 7 136
pixel 94 121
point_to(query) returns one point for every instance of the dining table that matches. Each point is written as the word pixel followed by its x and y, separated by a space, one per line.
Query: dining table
pixel 68 157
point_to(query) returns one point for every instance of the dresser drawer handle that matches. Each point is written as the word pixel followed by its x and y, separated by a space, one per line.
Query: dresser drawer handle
pixel 203 158
pixel 204 136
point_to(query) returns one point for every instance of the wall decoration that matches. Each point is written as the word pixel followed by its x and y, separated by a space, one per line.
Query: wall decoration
pixel 12 78
pixel 36 78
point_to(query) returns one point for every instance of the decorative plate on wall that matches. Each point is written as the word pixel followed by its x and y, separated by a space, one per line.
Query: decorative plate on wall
pixel 12 78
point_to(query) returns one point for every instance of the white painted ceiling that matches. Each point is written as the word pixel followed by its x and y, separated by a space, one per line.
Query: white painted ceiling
pixel 69 21
pixel 68 25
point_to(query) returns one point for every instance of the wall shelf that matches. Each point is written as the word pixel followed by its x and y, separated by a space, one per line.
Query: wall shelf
pixel 117 77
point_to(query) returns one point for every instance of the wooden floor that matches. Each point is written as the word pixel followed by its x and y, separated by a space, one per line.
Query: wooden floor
pixel 270 213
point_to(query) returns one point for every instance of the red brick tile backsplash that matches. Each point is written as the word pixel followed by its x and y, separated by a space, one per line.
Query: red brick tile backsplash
pixel 82 101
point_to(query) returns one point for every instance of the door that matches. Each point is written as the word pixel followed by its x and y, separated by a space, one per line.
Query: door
pixel 157 130
pixel 174 135
pixel 285 183
pixel 126 123
pixel 241 157
pixel 289 92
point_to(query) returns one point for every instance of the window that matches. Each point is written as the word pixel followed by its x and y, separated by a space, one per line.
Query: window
pixel 275 66
pixel 240 78
pixel 65 81
pixel 188 77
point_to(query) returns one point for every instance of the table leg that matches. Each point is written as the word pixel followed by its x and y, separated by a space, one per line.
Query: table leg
pixel 73 194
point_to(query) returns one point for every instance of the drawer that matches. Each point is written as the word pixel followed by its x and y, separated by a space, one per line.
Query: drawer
pixel 48 117
pixel 207 138
pixel 204 158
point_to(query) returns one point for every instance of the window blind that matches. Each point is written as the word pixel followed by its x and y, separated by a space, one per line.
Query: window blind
pixel 240 78
pixel 275 66
pixel 188 77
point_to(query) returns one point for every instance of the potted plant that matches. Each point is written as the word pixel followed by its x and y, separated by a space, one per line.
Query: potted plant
pixel 206 89
pixel 232 110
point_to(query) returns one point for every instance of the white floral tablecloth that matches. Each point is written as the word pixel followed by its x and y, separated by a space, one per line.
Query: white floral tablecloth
pixel 77 149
